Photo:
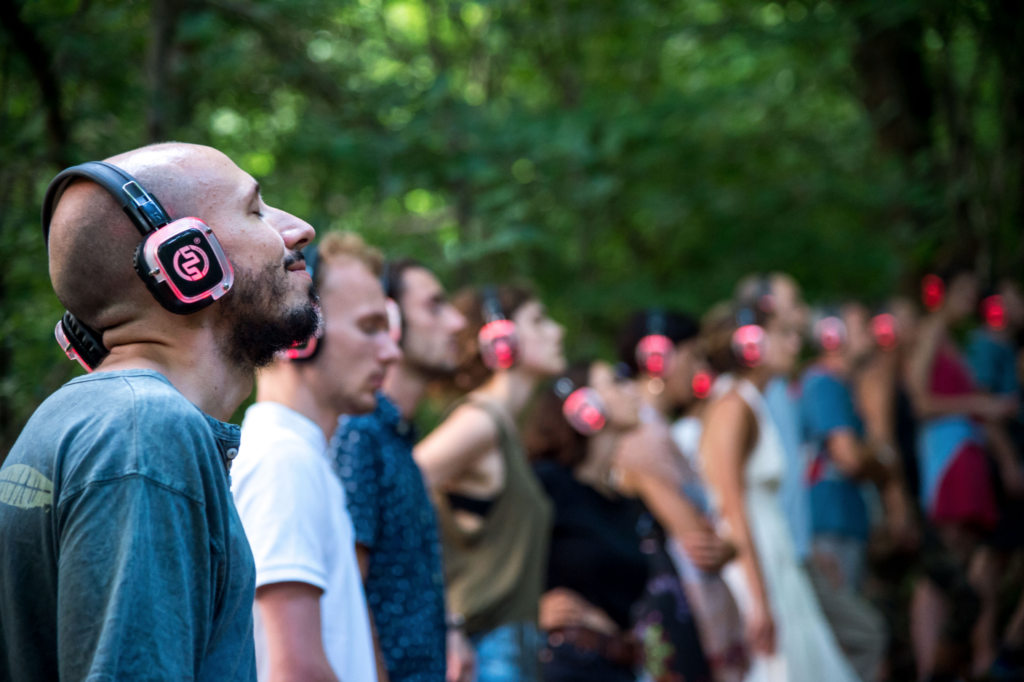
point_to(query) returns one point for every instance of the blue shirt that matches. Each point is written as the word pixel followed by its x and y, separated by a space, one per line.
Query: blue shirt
pixel 993 363
pixel 394 518
pixel 121 554
pixel 784 407
pixel 837 504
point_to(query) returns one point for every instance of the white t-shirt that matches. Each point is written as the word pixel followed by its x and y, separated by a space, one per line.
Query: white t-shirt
pixel 293 509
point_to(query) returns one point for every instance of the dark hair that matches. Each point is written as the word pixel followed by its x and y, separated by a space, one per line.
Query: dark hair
pixel 717 329
pixel 393 276
pixel 677 326
pixel 546 432
pixel 471 372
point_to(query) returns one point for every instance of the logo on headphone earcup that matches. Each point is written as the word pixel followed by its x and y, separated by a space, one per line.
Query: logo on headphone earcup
pixel 499 344
pixel 885 329
pixel 750 344
pixel 585 411
pixel 184 266
pixel 830 333
pixel 652 353
pixel 701 384
pixel 933 292
pixel 993 312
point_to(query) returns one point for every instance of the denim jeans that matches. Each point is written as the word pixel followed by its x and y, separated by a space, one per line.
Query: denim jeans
pixel 508 654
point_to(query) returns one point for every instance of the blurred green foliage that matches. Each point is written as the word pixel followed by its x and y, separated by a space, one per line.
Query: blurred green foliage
pixel 617 154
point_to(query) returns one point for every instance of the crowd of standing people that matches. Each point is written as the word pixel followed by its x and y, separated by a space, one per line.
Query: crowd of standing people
pixel 767 492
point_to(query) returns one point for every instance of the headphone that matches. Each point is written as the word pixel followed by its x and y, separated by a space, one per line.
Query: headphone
pixel 395 321
pixel 993 312
pixel 181 261
pixel 582 407
pixel 701 385
pixel 933 292
pixel 829 331
pixel 652 351
pixel 498 339
pixel 750 341
pixel 309 349
pixel 886 330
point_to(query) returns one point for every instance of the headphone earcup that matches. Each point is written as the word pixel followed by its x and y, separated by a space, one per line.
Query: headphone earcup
pixel 499 344
pixel 585 411
pixel 749 344
pixel 87 343
pixel 183 266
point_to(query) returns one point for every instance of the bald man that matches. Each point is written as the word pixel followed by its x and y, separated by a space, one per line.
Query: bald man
pixel 121 553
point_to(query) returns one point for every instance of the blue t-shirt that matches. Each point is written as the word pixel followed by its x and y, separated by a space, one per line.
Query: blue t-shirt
pixel 784 408
pixel 993 363
pixel 394 519
pixel 121 554
pixel 837 504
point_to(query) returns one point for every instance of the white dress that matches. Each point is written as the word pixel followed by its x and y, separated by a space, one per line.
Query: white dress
pixel 806 650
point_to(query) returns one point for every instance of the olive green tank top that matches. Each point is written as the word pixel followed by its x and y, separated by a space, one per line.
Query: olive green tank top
pixel 496 574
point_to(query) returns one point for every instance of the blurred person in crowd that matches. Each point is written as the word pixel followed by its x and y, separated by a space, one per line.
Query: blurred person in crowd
pixel 311 618
pixel 397 541
pixel 992 355
pixel 856 625
pixel 743 461
pixel 122 554
pixel 651 465
pixel 957 491
pixel 494 517
pixel 597 569
pixel 842 456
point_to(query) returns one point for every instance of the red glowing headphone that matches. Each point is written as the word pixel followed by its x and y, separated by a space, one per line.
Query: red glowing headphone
pixel 750 341
pixel 582 407
pixel 702 383
pixel 933 292
pixel 498 340
pixel 886 330
pixel 652 351
pixel 180 261
pixel 993 312
pixel 830 332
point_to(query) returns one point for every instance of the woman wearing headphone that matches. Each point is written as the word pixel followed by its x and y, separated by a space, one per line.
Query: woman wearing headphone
pixel 494 517
pixel 743 459
pixel 596 568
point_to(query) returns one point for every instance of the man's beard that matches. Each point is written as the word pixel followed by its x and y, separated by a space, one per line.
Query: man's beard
pixel 260 323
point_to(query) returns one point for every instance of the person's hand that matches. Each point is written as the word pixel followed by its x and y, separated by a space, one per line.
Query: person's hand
pixel 461 658
pixel 708 552
pixel 761 630
pixel 563 608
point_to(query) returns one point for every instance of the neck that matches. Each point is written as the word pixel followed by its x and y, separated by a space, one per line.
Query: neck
pixel 512 389
pixel 405 385
pixel 656 400
pixel 759 376
pixel 596 468
pixel 835 363
pixel 190 359
pixel 283 383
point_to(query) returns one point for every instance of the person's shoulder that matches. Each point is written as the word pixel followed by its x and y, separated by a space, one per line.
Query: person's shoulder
pixel 276 448
pixel 110 425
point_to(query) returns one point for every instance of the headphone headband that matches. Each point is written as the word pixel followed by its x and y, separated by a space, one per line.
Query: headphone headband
pixel 141 207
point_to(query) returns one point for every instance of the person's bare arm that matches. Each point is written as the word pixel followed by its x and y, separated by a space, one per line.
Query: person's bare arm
pixel 468 434
pixel 725 446
pixel 643 464
pixel 291 620
pixel 855 458
pixel 1005 455
pixel 927 404
pixel 363 556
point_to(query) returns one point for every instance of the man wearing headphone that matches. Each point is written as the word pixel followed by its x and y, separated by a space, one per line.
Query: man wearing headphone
pixel 121 554
pixel 396 530
pixel 311 618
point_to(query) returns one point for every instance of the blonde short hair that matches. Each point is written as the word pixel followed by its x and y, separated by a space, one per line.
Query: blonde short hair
pixel 338 247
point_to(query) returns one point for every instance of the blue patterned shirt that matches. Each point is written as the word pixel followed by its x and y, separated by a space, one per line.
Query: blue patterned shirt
pixel 393 518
